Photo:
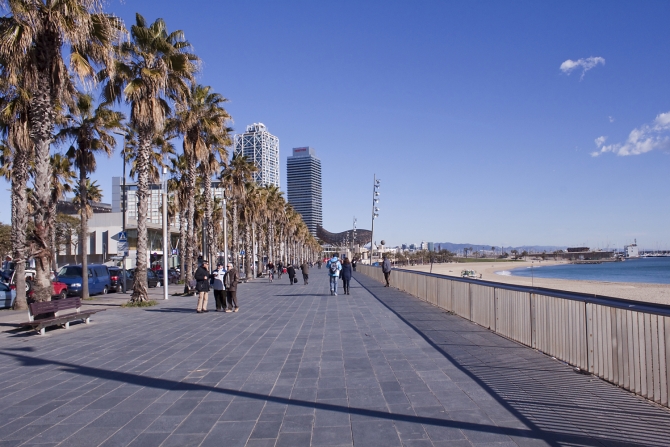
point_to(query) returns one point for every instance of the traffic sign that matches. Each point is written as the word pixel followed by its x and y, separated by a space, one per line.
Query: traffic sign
pixel 122 248
pixel 120 236
pixel 242 252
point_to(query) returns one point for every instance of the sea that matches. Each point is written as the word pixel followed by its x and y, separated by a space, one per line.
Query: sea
pixel 642 270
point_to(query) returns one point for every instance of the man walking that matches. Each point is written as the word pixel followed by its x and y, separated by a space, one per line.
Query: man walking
pixel 386 269
pixel 333 266
pixel 230 280
pixel 219 289
pixel 305 271
pixel 202 286
pixel 290 271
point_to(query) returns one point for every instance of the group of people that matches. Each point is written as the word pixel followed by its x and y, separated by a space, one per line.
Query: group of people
pixel 336 270
pixel 290 271
pixel 223 281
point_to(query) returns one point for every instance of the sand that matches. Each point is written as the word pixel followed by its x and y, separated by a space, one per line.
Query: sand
pixel 651 293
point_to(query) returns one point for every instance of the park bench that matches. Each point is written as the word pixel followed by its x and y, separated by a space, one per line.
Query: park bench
pixel 50 313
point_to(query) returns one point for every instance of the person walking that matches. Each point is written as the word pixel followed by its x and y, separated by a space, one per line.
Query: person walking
pixel 386 269
pixel 305 271
pixel 353 264
pixel 230 281
pixel 271 270
pixel 291 273
pixel 219 289
pixel 333 266
pixel 280 269
pixel 202 286
pixel 346 274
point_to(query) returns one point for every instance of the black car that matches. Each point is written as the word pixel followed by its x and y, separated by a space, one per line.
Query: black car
pixel 116 277
pixel 153 279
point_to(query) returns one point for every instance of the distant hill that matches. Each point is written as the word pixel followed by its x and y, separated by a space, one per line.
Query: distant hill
pixel 476 247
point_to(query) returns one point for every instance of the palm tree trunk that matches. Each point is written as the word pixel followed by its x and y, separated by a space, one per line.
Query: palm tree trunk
pixel 83 233
pixel 19 224
pixel 182 243
pixel 236 237
pixel 140 284
pixel 41 239
pixel 190 219
pixel 211 242
pixel 247 251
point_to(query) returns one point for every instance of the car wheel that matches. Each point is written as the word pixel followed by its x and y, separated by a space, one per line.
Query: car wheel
pixel 158 284
pixel 104 291
pixel 29 286
pixel 63 295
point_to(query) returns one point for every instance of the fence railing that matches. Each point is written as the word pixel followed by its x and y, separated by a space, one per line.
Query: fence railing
pixel 624 342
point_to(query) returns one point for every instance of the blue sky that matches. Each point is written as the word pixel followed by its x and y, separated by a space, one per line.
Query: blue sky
pixel 461 108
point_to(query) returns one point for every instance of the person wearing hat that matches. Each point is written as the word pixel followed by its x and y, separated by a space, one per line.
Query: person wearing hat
pixel 202 286
pixel 230 280
pixel 216 279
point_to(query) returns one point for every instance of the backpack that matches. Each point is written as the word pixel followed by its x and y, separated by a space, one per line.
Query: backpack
pixel 333 267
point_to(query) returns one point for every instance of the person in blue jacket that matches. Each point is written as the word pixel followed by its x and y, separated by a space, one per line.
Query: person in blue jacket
pixel 333 267
pixel 346 274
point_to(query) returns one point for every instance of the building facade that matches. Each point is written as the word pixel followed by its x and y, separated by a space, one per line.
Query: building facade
pixel 261 148
pixel 303 178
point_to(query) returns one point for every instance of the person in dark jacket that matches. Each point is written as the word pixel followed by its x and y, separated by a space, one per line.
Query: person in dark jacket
pixel 386 269
pixel 353 264
pixel 202 286
pixel 216 279
pixel 346 274
pixel 291 273
pixel 230 280
pixel 305 271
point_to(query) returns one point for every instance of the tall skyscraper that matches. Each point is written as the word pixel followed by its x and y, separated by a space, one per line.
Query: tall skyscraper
pixel 303 177
pixel 262 149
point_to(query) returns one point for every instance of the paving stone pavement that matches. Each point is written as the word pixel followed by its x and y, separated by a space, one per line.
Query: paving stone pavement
pixel 298 367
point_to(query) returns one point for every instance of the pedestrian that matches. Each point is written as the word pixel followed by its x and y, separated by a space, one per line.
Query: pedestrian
pixel 353 264
pixel 271 270
pixel 305 271
pixel 346 274
pixel 280 269
pixel 202 286
pixel 333 266
pixel 230 280
pixel 291 273
pixel 318 263
pixel 219 289
pixel 386 269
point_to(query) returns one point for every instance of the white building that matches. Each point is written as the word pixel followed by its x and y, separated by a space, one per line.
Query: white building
pixel 631 251
pixel 261 148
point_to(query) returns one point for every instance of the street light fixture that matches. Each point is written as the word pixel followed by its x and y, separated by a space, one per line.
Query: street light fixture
pixel 375 214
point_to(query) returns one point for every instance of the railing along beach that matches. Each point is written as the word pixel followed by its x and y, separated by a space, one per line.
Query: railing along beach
pixel 623 342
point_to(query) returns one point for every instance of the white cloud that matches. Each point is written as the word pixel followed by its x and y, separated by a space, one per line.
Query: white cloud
pixel 611 118
pixel 648 137
pixel 585 63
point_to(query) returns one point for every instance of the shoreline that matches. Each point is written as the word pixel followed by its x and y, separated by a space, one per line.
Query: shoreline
pixel 642 292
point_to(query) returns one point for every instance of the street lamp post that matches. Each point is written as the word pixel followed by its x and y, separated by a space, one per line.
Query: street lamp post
pixel 375 214
pixel 225 230
pixel 124 201
pixel 165 235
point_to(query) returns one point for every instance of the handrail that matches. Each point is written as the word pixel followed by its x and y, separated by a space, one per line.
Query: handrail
pixel 603 300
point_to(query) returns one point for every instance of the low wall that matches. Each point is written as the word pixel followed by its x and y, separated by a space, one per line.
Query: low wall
pixel 624 342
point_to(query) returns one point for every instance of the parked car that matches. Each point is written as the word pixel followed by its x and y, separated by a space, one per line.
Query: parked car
pixel 173 276
pixel 98 279
pixel 7 296
pixel 153 279
pixel 116 279
pixel 58 289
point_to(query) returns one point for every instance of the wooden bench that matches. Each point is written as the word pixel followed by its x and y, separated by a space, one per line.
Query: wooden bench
pixel 50 313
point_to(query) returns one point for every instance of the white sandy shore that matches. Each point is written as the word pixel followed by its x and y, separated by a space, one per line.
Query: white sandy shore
pixel 652 293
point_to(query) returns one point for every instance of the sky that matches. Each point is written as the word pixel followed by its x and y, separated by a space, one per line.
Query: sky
pixel 488 122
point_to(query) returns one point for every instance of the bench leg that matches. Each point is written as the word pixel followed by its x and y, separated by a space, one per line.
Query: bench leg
pixel 87 320
pixel 67 325
pixel 42 331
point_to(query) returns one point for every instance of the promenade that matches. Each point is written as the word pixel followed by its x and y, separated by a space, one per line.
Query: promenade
pixel 298 367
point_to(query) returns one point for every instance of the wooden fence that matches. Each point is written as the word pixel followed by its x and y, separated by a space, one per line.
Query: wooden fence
pixel 624 342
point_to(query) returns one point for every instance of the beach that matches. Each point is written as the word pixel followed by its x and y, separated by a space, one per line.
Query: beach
pixel 651 293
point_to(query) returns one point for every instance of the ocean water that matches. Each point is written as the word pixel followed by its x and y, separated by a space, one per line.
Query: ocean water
pixel 646 270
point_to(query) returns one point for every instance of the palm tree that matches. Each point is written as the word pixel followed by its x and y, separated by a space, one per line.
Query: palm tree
pixel 235 178
pixel 178 188
pixel 15 128
pixel 90 129
pixel 62 178
pixel 154 70
pixel 34 38
pixel 201 120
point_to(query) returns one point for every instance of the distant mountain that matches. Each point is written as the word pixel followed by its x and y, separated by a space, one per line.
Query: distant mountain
pixel 476 247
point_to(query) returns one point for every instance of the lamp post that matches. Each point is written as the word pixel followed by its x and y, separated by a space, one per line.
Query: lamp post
pixel 225 229
pixel 124 201
pixel 375 214
pixel 165 235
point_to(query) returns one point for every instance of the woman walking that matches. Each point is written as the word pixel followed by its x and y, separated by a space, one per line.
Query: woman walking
pixel 291 273
pixel 230 280
pixel 346 274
